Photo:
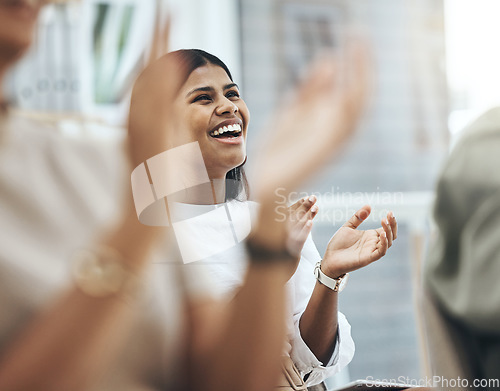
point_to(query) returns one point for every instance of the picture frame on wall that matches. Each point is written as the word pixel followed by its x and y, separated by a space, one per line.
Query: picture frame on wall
pixel 114 46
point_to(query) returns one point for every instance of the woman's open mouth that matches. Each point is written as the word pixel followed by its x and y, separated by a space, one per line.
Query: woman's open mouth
pixel 227 131
pixel 230 134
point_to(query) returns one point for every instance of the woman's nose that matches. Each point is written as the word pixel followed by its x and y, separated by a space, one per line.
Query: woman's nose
pixel 227 107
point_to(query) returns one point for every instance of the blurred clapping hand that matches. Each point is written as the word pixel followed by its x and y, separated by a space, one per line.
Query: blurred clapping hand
pixel 308 129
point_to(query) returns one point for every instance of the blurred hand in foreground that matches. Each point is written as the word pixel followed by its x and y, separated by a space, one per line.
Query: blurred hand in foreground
pixel 307 130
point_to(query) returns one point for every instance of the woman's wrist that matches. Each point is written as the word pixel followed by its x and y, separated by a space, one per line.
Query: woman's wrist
pixel 134 241
pixel 261 253
pixel 330 268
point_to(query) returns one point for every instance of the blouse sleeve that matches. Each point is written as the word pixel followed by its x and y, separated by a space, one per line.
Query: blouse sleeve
pixel 302 284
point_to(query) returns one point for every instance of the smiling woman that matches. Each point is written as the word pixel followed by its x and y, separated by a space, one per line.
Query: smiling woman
pixel 209 109
pixel 211 227
pixel 50 293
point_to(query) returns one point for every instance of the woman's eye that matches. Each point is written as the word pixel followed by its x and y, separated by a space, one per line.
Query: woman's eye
pixel 232 94
pixel 202 98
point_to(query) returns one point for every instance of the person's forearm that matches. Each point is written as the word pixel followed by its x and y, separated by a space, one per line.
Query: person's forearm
pixel 70 344
pixel 318 324
pixel 246 354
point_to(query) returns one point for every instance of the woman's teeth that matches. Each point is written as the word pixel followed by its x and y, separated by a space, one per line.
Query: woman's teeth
pixel 226 129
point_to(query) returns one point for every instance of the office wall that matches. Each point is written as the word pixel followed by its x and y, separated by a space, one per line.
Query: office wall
pixel 392 161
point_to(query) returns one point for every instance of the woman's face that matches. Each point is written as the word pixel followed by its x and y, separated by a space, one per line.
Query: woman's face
pixel 210 110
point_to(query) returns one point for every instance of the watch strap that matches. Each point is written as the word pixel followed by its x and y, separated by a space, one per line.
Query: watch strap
pixel 335 284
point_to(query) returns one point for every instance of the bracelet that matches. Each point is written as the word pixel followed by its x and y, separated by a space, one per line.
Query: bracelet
pixel 100 272
pixel 260 254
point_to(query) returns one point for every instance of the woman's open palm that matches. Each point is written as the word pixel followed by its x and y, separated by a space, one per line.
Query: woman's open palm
pixel 351 249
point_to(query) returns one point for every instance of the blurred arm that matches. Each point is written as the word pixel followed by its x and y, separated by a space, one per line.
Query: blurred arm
pixel 70 344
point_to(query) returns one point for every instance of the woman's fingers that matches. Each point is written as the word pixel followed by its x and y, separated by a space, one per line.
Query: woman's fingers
pixel 300 222
pixel 394 224
pixel 314 211
pixel 308 215
pixel 358 217
pixel 388 232
pixel 308 207
pixel 292 208
pixel 304 207
pixel 383 245
pixel 390 228
pixel 300 203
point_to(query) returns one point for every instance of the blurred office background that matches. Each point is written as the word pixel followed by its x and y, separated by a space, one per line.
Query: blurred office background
pixel 435 68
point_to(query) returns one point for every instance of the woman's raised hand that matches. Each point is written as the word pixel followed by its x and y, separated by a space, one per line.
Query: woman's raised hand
pixel 300 221
pixel 351 249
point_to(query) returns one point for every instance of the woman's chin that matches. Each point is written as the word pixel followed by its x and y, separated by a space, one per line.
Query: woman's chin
pixel 234 161
pixel 238 162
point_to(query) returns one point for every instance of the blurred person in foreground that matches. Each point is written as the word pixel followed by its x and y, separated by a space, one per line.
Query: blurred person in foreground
pixel 210 113
pixel 463 266
pixel 73 255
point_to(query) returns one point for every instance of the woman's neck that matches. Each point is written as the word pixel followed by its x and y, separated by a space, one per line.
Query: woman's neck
pixel 210 193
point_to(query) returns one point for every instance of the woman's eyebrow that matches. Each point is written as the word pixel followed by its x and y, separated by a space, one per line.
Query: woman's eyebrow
pixel 211 89
pixel 200 89
pixel 231 85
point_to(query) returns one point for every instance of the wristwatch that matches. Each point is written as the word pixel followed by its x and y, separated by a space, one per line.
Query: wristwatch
pixel 335 284
pixel 100 272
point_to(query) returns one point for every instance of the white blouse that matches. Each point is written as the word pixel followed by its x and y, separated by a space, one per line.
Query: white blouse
pixel 212 236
